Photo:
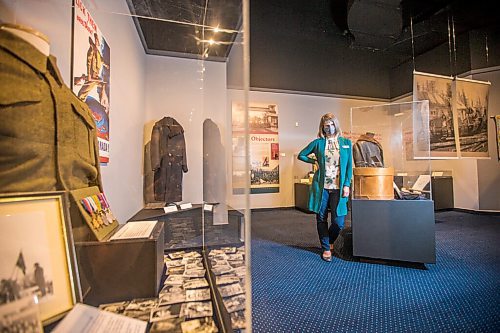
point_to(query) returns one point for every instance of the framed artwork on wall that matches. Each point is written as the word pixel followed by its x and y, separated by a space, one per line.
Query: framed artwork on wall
pixel 91 72
pixel 38 256
pixel 472 117
pixel 439 92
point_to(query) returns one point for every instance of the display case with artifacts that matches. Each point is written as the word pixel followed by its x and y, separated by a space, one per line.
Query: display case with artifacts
pixel 392 190
pixel 371 179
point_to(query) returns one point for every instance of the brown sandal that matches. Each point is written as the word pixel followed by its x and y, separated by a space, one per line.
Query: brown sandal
pixel 326 258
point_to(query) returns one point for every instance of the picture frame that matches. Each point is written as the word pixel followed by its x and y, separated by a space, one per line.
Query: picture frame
pixel 38 255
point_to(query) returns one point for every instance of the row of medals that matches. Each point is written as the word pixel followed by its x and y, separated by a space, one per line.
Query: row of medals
pixel 98 208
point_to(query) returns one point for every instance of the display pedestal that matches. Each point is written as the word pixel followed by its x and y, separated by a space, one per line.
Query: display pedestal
pixel 112 271
pixel 302 197
pixel 402 230
pixel 442 192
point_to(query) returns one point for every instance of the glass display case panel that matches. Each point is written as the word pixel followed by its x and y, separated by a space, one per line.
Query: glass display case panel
pixel 160 98
pixel 391 156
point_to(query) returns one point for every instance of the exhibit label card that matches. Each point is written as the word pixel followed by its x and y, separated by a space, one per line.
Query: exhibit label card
pixel 85 319
pixel 170 209
pixel 186 205
pixel 136 229
pixel 421 182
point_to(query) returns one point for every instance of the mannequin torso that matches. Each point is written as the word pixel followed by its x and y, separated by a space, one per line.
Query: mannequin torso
pixel 35 38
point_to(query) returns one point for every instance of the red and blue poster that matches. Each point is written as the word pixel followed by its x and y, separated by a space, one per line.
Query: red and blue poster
pixel 91 72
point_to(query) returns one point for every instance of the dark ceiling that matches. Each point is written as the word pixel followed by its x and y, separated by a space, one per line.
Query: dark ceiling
pixel 183 28
pixel 302 44
pixel 386 25
pixel 176 27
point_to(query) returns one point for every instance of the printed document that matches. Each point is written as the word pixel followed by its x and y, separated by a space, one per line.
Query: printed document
pixel 136 229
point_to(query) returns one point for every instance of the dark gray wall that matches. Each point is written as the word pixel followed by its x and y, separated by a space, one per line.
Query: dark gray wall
pixel 485 48
pixel 489 170
pixel 298 47
pixel 436 61
pixel 304 51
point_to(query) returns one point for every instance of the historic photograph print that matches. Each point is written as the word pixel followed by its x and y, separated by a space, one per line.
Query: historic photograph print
pixel 36 256
pixel 472 115
pixel 438 90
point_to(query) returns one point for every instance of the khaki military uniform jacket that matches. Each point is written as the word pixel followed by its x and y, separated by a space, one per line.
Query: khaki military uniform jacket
pixel 47 135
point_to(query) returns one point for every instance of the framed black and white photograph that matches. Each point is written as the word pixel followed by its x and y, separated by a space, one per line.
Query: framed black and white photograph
pixel 37 253
pixel 472 115
pixel 438 91
pixel 21 315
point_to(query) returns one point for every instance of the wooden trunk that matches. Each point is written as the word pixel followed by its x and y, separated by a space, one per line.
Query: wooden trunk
pixel 374 183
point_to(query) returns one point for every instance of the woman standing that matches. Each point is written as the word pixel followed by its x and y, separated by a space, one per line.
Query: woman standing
pixel 331 182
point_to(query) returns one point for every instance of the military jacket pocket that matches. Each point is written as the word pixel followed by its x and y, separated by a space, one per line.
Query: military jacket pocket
pixel 84 133
pixel 23 111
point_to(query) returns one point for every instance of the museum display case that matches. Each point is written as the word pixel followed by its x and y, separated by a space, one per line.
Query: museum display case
pixel 392 207
pixel 391 140
pixel 142 118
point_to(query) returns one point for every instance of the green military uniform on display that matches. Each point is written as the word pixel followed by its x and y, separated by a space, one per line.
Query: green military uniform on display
pixel 47 135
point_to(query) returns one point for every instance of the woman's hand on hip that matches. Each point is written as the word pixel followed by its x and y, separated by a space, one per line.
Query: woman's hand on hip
pixel 345 191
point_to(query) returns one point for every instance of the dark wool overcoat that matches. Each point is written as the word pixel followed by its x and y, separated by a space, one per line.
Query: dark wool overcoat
pixel 168 159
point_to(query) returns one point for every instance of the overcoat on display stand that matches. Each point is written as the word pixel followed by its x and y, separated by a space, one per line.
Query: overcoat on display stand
pixel 168 159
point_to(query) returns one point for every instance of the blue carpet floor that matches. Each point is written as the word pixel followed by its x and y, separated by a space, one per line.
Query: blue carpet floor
pixel 295 291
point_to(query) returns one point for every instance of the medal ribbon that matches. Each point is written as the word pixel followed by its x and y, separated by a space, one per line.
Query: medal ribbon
pixel 90 209
pixel 112 217
pixel 96 209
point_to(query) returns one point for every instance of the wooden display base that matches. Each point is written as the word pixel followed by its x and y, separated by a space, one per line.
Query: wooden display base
pixel 112 271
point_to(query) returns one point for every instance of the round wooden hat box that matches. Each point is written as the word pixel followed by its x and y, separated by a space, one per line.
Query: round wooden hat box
pixel 374 183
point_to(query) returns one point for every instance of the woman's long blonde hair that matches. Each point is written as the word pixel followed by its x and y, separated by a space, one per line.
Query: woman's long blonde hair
pixel 324 119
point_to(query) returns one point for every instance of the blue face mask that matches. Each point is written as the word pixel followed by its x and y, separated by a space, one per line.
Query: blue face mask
pixel 329 129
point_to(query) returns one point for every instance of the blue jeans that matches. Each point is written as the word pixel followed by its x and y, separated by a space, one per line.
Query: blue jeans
pixel 327 236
